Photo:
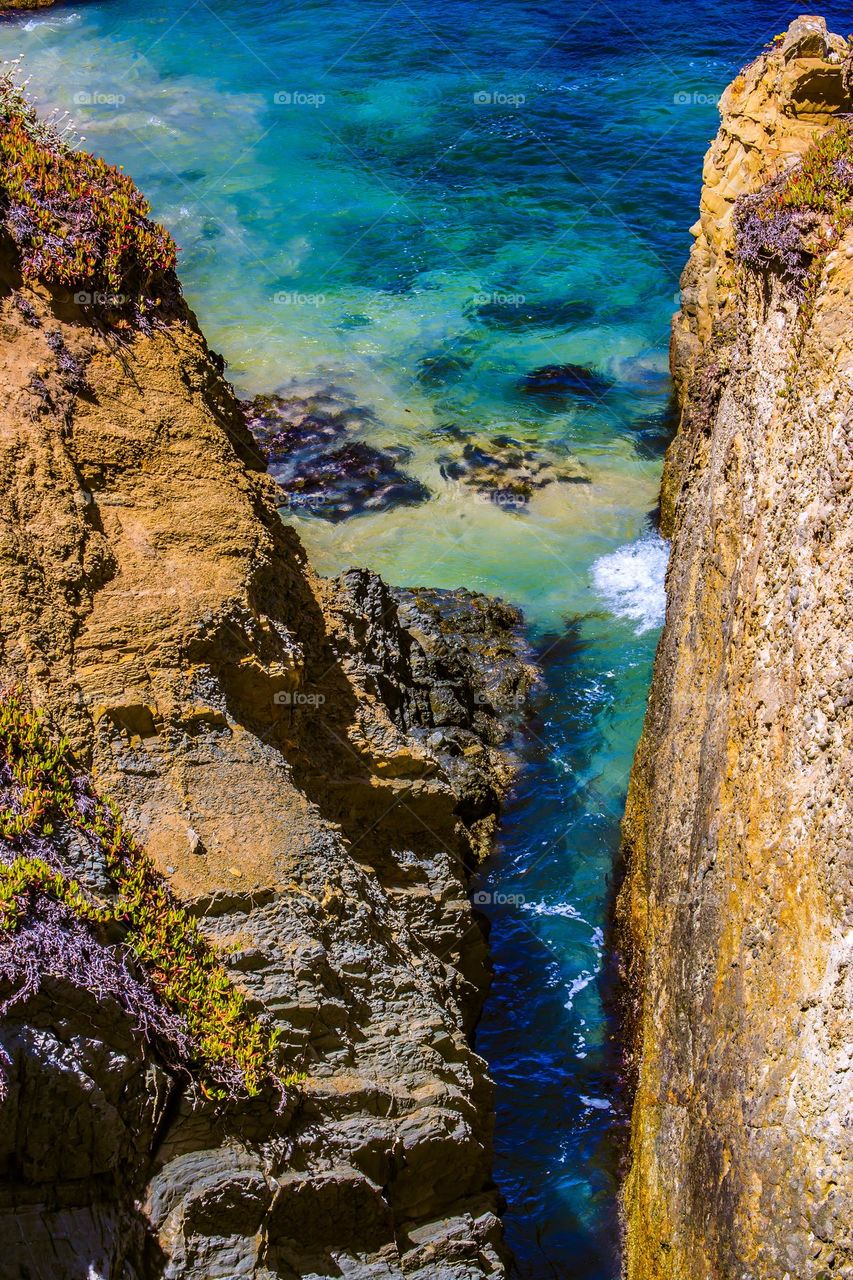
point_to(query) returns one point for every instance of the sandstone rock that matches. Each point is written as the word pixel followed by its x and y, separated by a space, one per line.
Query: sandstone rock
pixel 735 911
pixel 265 735
pixel 807 37
pixel 769 115
pixel 442 368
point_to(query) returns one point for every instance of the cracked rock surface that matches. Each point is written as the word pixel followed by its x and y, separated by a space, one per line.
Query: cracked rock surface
pixel 315 765
pixel 735 914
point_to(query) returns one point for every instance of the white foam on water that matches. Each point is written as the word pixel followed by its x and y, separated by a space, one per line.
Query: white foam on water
pixel 597 1104
pixel 579 984
pixel 554 909
pixel 631 581
pixel 53 23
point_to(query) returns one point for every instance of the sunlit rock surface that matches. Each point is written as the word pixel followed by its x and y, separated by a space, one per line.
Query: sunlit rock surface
pixel 737 906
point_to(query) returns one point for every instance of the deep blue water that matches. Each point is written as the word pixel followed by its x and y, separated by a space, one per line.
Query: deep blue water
pixel 420 203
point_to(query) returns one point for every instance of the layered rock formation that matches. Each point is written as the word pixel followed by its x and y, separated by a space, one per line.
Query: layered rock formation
pixel 737 907
pixel 313 764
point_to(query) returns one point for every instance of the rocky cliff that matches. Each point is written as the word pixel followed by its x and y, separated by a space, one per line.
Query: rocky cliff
pixel 311 766
pixel 737 907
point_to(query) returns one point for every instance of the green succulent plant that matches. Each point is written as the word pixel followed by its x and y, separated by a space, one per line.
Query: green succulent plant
pixel 47 793
pixel 77 221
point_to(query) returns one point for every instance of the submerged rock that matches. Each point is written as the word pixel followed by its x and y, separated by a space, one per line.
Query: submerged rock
pixel 508 471
pixel 646 374
pixel 354 320
pixel 526 314
pixel 652 433
pixel 283 425
pixel 561 381
pixel 350 480
pixel 442 369
pixel 308 441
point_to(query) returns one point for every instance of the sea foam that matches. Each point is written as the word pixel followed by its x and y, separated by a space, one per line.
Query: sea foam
pixel 631 581
pixel 53 23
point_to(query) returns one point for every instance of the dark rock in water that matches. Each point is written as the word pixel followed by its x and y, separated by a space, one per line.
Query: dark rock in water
pixel 307 439
pixel 283 424
pixel 449 431
pixel 526 314
pixel 454 672
pixel 507 471
pixel 477 638
pixel 281 428
pixel 558 381
pixel 441 369
pixel 350 480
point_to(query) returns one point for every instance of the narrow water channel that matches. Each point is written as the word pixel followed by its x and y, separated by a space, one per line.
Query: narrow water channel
pixel 419 204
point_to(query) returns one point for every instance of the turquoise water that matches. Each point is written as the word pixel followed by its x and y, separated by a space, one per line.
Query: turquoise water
pixel 420 204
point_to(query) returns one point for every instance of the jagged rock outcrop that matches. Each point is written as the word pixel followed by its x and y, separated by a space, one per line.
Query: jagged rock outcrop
pixel 313 764
pixel 769 115
pixel 736 910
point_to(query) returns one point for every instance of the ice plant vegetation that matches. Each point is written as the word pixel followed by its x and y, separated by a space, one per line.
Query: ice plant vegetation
pixel 131 940
pixel 76 220
pixel 799 216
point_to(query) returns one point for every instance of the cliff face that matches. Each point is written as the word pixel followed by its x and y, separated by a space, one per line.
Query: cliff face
pixel 737 906
pixel 312 765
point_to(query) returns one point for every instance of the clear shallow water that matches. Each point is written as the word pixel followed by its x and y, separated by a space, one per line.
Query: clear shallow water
pixel 365 191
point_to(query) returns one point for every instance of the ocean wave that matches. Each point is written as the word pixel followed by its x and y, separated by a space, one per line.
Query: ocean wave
pixel 564 909
pixel 631 581
pixel 52 23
